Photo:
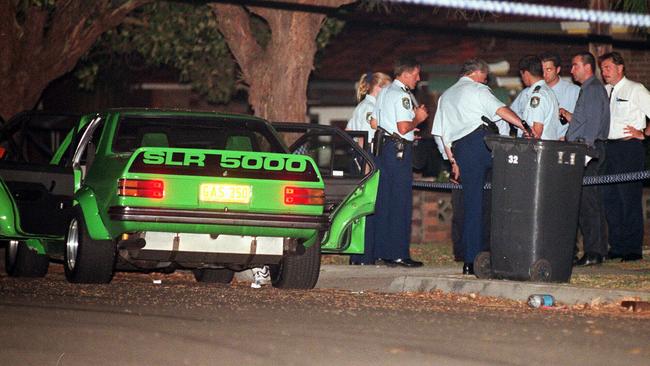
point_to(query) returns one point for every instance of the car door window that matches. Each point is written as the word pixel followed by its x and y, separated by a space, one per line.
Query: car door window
pixel 87 147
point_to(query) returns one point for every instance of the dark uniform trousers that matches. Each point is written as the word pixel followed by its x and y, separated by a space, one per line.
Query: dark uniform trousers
pixel 592 214
pixel 623 201
pixel 475 161
pixel 458 218
pixel 368 256
pixel 394 206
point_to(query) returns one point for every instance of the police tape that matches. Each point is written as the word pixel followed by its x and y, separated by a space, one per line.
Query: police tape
pixel 586 181
pixel 540 11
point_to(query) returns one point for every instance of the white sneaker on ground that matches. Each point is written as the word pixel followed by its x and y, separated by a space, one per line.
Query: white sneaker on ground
pixel 261 276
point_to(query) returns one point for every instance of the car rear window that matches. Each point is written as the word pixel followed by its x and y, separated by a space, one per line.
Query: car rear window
pixel 194 133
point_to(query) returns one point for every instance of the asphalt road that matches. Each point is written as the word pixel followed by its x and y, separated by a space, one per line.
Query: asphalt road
pixel 133 321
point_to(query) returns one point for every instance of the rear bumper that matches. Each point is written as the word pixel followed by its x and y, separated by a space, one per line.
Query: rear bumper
pixel 210 217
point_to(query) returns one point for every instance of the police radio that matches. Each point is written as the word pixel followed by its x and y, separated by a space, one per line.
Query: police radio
pixel 527 127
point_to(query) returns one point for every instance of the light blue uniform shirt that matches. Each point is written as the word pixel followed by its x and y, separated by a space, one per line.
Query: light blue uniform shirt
pixel 519 104
pixel 460 109
pixel 361 117
pixel 567 96
pixel 542 107
pixel 394 105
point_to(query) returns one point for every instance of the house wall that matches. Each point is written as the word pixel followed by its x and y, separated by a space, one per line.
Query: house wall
pixel 432 215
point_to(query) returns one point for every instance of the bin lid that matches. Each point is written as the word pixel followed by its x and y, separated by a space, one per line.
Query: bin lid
pixel 497 141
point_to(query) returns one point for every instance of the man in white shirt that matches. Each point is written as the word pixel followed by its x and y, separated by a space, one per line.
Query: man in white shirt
pixel 629 107
pixel 458 123
pixel 565 91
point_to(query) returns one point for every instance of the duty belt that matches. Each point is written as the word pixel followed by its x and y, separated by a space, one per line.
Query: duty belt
pixel 482 127
pixel 397 139
pixel 382 136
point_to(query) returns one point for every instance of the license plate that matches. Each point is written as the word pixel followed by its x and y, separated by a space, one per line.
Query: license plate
pixel 225 193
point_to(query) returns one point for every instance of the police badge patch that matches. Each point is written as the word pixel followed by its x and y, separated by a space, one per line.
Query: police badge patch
pixel 406 102
pixel 368 116
pixel 534 102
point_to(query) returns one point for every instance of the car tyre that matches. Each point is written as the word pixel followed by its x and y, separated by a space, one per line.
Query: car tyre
pixel 22 261
pixel 214 275
pixel 87 260
pixel 298 271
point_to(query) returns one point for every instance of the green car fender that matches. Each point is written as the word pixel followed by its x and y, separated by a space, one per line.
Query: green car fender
pixel 87 202
pixel 7 214
pixel 37 245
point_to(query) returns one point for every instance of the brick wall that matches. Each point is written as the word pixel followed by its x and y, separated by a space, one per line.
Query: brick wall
pixel 432 216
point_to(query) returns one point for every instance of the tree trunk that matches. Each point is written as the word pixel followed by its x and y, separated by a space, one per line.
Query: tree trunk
pixel 40 46
pixel 277 75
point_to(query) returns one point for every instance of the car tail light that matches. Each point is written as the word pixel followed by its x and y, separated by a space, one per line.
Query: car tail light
pixel 141 188
pixel 303 196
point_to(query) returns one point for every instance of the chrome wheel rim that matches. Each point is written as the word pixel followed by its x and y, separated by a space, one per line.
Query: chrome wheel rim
pixel 12 252
pixel 72 244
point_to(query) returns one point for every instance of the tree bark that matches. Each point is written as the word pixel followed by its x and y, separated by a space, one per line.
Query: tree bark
pixel 47 44
pixel 276 75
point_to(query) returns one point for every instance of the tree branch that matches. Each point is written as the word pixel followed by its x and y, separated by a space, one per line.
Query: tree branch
pixel 80 31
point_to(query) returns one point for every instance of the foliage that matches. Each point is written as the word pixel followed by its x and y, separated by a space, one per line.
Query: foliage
pixel 185 37
pixel 632 6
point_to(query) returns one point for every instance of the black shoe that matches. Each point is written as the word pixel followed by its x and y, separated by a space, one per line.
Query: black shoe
pixel 387 262
pixel 404 262
pixel 631 257
pixel 468 268
pixel 614 255
pixel 590 259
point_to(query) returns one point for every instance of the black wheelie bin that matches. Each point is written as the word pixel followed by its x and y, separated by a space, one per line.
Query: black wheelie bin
pixel 536 187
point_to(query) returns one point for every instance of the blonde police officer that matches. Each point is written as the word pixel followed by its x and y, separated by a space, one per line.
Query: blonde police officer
pixel 368 87
pixel 370 84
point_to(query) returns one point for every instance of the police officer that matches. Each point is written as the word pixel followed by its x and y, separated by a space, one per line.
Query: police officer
pixel 459 124
pixel 396 113
pixel 541 109
pixel 369 86
pixel 589 123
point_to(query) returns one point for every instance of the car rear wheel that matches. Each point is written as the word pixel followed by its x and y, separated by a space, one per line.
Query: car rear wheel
pixel 22 261
pixel 87 260
pixel 214 275
pixel 298 271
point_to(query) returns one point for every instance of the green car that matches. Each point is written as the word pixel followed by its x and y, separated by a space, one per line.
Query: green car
pixel 151 190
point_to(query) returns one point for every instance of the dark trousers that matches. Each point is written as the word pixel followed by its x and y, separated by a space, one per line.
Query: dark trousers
pixel 592 215
pixel 623 201
pixel 458 218
pixel 394 207
pixel 474 160
pixel 368 256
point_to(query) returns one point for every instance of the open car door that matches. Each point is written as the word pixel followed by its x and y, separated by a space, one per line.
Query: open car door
pixel 39 199
pixel 350 176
